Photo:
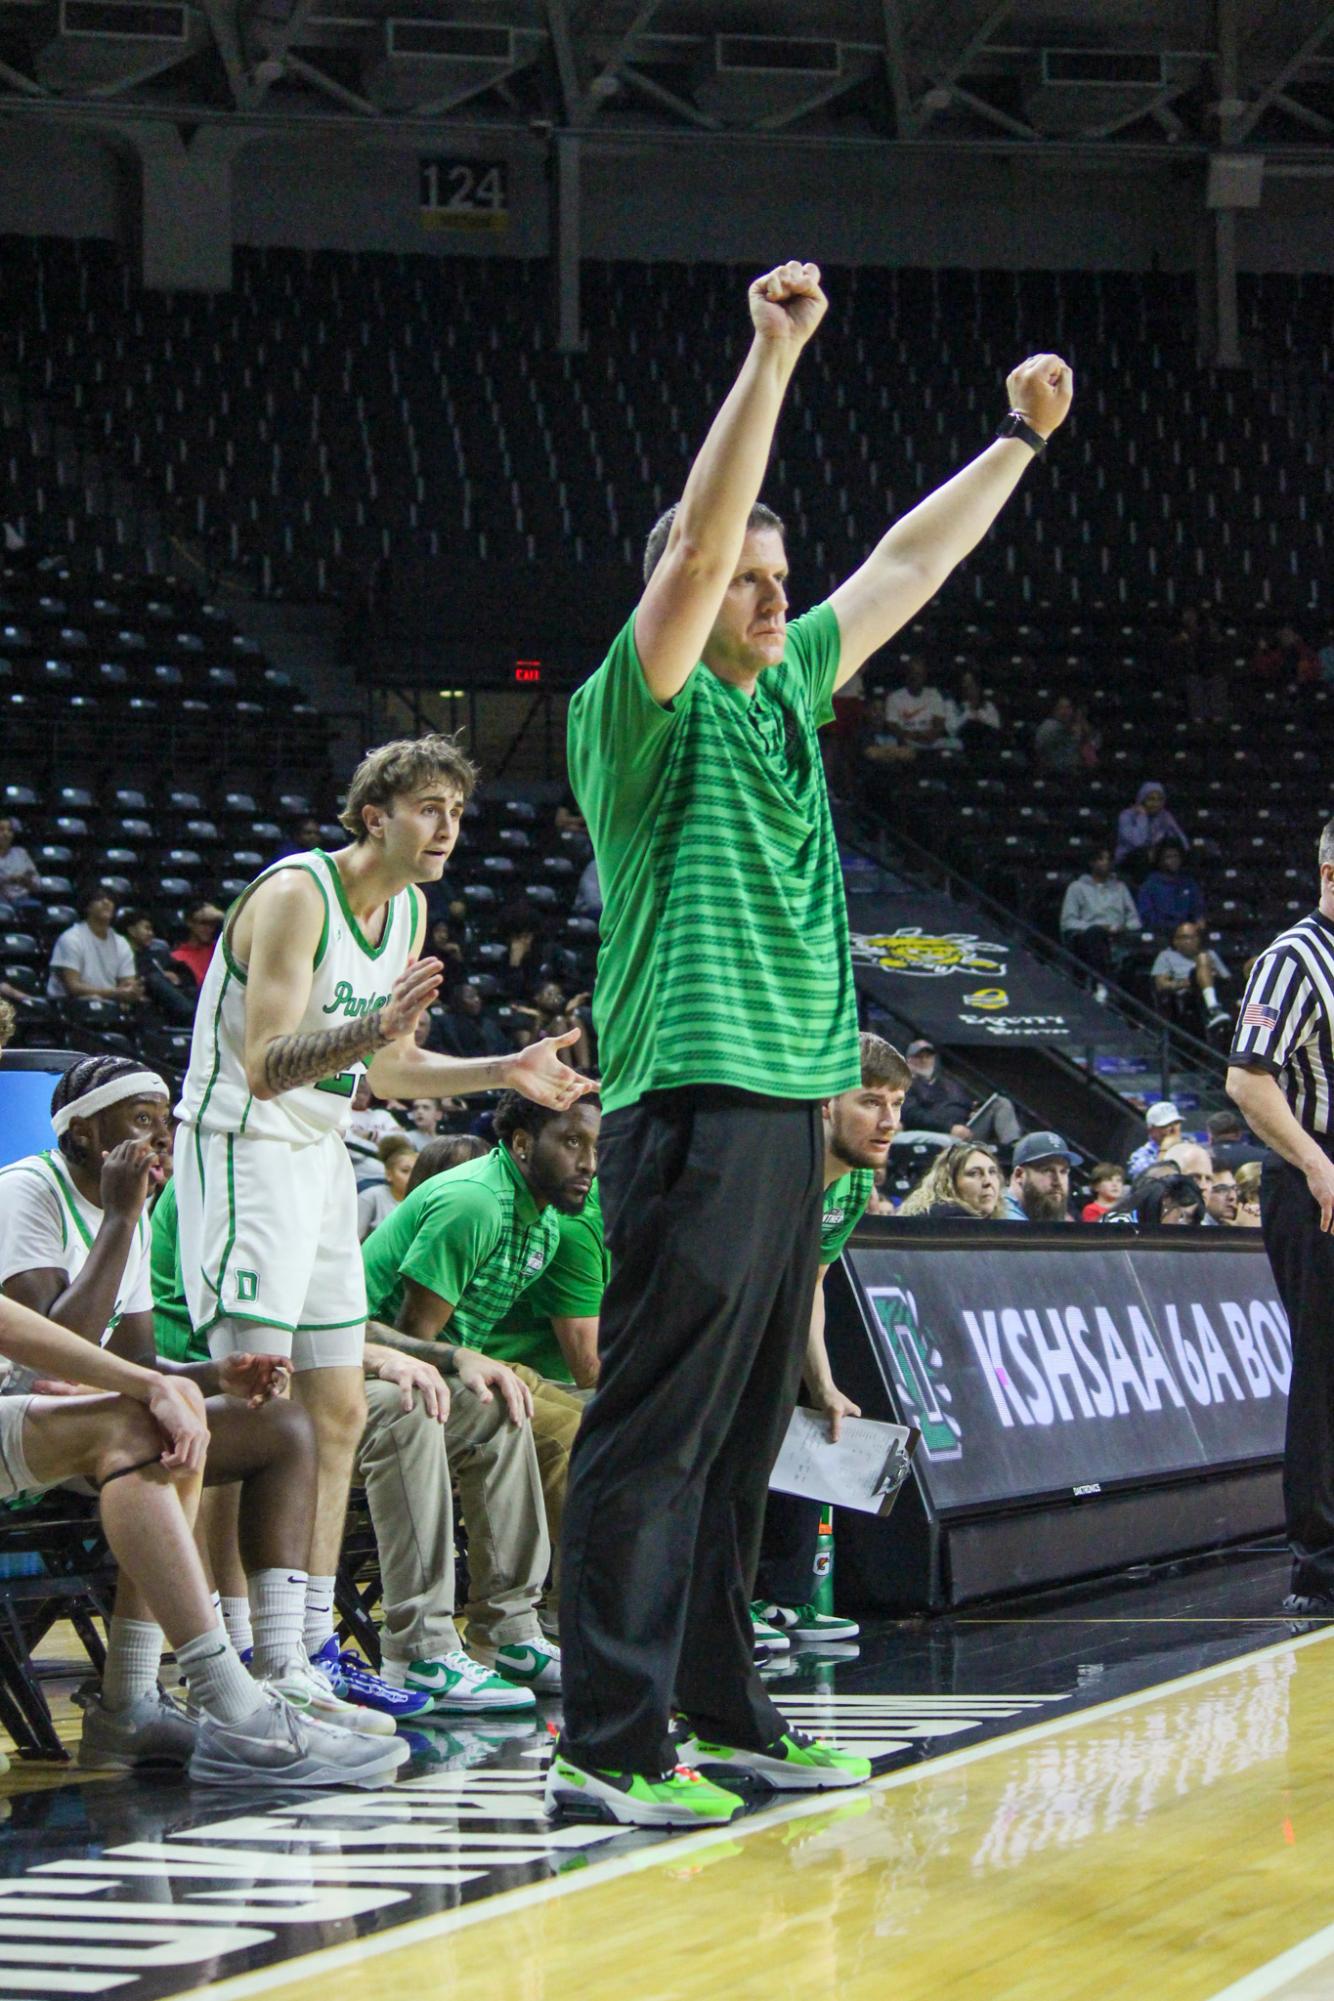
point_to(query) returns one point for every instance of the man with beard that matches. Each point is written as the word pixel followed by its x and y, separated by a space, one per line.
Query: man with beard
pixel 441 1272
pixel 1039 1190
pixel 859 1128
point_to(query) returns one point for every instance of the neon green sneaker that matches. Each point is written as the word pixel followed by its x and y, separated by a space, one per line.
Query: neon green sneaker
pixel 792 1763
pixel 680 1798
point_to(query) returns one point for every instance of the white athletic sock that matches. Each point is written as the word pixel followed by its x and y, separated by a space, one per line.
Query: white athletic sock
pixel 1211 999
pixel 217 1682
pixel 277 1609
pixel 235 1616
pixel 134 1656
pixel 319 1613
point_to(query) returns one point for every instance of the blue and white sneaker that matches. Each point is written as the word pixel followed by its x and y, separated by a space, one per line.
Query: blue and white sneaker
pixel 353 1681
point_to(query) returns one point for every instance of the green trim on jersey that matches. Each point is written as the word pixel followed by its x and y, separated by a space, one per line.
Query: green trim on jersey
pixel 66 1194
pixel 232 963
pixel 845 1203
pixel 358 935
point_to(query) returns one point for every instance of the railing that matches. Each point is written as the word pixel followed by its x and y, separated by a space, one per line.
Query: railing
pixel 878 843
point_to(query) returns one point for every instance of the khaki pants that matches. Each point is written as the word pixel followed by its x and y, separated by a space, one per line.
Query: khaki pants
pixel 556 1415
pixel 405 1461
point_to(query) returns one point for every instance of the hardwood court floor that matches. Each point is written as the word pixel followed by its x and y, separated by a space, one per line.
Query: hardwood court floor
pixel 1121 1791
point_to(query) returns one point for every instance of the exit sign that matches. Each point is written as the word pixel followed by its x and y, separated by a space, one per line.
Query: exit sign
pixel 528 670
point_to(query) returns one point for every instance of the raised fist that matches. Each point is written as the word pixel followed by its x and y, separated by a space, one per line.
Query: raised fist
pixel 787 305
pixel 1041 390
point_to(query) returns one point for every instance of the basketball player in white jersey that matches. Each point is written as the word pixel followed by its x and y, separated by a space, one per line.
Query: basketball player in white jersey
pixel 317 978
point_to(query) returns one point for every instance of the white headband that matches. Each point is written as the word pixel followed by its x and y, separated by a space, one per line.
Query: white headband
pixel 135 1084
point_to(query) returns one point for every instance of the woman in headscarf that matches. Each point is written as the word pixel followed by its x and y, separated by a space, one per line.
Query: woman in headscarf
pixel 1141 826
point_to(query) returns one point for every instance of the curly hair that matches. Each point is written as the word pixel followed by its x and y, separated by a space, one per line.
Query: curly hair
pixel 403 766
pixel 940 1183
pixel 515 1114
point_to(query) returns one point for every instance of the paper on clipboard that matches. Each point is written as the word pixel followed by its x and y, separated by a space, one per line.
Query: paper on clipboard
pixel 865 1470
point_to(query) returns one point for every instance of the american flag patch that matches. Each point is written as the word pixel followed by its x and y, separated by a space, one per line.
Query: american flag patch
pixel 1259 1015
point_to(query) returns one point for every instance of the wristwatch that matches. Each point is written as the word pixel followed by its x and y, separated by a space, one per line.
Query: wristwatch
pixel 1014 426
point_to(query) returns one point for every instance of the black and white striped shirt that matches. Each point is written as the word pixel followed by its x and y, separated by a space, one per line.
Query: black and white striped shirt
pixel 1286 1024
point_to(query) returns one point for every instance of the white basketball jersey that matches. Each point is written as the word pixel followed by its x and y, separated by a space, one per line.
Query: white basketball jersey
pixel 350 978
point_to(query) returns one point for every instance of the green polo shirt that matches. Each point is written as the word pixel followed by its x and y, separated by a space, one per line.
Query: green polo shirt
pixel 173 1336
pixel 472 1235
pixel 845 1203
pixel 725 956
pixel 570 1288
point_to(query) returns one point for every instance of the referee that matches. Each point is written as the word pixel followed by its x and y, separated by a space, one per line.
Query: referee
pixel 1281 1078
pixel 726 1012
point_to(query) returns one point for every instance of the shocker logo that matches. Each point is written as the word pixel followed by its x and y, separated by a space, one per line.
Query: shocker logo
pixel 988 999
pixel 930 955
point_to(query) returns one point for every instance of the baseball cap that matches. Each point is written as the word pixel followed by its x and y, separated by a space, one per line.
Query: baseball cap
pixel 1043 1146
pixel 1164 1113
pixel 921 1048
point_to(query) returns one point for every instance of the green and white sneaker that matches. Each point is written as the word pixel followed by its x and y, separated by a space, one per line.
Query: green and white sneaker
pixel 680 1798
pixel 803 1622
pixel 767 1635
pixel 792 1763
pixel 458 1685
pixel 531 1663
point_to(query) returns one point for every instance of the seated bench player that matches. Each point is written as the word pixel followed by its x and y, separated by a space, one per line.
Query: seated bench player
pixel 417 1443
pixel 859 1128
pixel 552 1327
pixel 450 1262
pixel 72 1233
pixel 74 1246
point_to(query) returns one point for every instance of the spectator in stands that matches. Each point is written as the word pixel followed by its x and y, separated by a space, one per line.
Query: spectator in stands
pixel 1109 1185
pixel 1221 1201
pixel 18 873
pixel 1142 826
pixel 449 1150
pixel 1173 1202
pixel 1189 1157
pixel 1058 741
pixel 1325 658
pixel 203 923
pixel 368 1125
pixel 398 1157
pixel 170 994
pixel 8 1023
pixel 1039 1190
pixel 1098 915
pixel 1185 980
pixel 1164 1123
pixel 962 1181
pixel 880 1202
pixel 913 717
pixel 569 817
pixel 1168 896
pixel 1127 1208
pixel 425 1118
pixel 449 941
pixel 468 1029
pixel 937 1104
pixel 92 960
pixel 520 928
pixel 974 717
pixel 1248 1195
pixel 1230 1141
pixel 1195 653
pixel 1285 656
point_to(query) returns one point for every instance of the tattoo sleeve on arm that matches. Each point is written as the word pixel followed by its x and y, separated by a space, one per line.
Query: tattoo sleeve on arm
pixel 291 1060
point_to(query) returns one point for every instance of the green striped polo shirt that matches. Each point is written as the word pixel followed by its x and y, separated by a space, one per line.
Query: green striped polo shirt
pixel 570 1288
pixel 845 1203
pixel 472 1235
pixel 725 956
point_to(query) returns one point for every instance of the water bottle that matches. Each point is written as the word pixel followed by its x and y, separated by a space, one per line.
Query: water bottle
pixel 823 1595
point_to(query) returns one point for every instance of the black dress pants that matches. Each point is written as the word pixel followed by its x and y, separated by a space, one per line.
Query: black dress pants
pixel 711 1201
pixel 1302 1259
pixel 788 1549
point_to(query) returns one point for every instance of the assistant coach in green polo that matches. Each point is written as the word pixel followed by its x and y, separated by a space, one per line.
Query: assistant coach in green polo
pixel 725 1012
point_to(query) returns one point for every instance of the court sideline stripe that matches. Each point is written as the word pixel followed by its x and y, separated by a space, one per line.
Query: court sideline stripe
pixel 418 1930
pixel 1276 1973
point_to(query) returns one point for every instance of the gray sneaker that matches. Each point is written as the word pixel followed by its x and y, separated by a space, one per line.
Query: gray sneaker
pixel 153 1731
pixel 278 1747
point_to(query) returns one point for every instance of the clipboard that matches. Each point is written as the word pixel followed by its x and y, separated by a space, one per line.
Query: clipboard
pixel 865 1470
